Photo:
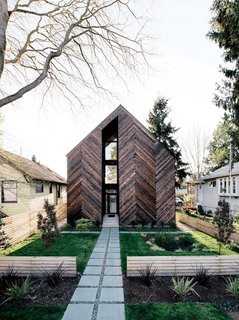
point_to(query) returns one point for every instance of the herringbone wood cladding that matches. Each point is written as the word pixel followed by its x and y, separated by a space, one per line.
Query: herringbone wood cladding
pixel 146 174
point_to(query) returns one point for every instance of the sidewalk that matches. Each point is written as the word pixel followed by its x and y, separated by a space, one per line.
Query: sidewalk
pixel 99 294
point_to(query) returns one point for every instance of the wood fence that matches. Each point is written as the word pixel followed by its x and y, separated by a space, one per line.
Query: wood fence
pixel 36 266
pixel 183 265
pixel 204 226
pixel 21 226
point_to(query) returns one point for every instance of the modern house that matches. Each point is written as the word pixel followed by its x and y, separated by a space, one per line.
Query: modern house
pixel 219 185
pixel 26 183
pixel 121 168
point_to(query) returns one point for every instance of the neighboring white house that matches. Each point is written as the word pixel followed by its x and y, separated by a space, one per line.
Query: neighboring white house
pixel 26 183
pixel 219 185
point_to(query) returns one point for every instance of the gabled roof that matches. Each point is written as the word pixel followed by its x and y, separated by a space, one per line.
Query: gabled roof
pixel 30 168
pixel 223 172
pixel 114 114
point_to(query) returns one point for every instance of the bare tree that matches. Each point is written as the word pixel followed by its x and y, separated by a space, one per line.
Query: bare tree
pixel 195 151
pixel 68 44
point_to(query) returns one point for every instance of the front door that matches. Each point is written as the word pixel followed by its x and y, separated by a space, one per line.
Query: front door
pixel 111 201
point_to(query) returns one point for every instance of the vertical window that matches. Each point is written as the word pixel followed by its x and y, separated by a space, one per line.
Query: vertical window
pixel 225 185
pixel 221 186
pixel 39 187
pixel 9 191
pixel 50 187
pixel 234 187
pixel 58 191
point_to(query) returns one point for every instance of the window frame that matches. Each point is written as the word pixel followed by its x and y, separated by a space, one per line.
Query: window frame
pixel 4 188
pixel 39 184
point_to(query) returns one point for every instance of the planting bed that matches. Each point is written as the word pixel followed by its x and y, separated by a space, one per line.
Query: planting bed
pixel 137 292
pixel 42 294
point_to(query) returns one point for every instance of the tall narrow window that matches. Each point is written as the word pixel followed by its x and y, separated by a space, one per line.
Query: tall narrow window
pixel 234 187
pixel 110 168
pixel 9 191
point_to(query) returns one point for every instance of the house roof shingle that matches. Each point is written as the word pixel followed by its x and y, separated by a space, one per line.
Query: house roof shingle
pixel 223 172
pixel 30 168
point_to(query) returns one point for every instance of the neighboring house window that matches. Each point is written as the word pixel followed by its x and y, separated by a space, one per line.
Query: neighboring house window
pixel 212 184
pixel 58 191
pixel 221 186
pixel 225 185
pixel 234 187
pixel 39 187
pixel 50 187
pixel 9 191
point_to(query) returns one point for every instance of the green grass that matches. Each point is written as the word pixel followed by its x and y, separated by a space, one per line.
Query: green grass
pixel 32 313
pixel 176 311
pixel 134 245
pixel 80 246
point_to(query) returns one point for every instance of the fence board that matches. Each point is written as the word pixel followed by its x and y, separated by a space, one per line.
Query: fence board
pixel 35 266
pixel 183 265
pixel 21 226
pixel 203 226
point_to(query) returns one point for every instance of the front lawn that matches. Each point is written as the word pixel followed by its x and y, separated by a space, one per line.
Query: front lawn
pixel 32 313
pixel 136 245
pixel 77 245
pixel 176 311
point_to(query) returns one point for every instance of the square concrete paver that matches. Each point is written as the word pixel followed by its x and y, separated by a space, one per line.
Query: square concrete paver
pixel 115 271
pixel 113 262
pixel 93 270
pixel 110 312
pixel 78 312
pixel 112 295
pixel 113 255
pixel 95 255
pixel 84 294
pixel 99 250
pixel 95 262
pixel 112 281
pixel 114 250
pixel 113 245
pixel 89 281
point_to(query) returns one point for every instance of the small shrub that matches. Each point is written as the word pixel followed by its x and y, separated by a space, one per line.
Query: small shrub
pixel 233 246
pixel 4 239
pixel 167 241
pixel 9 276
pixel 55 276
pixel 202 275
pixel 197 247
pixel 148 274
pixel 183 286
pixel 48 225
pixel 236 218
pixel 232 286
pixel 224 223
pixel 186 241
pixel 17 291
pixel 84 224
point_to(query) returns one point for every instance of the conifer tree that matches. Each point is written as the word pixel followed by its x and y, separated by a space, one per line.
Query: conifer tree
pixel 164 131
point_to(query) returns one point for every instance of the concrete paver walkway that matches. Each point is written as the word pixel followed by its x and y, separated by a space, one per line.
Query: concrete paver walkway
pixel 99 294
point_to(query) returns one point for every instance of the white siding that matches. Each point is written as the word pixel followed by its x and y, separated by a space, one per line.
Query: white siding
pixel 23 191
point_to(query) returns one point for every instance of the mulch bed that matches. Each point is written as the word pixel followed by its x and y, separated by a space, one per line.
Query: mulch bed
pixel 160 291
pixel 43 294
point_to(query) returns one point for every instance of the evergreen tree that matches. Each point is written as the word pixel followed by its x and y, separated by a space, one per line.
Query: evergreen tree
pixel 219 146
pixel 164 131
pixel 225 32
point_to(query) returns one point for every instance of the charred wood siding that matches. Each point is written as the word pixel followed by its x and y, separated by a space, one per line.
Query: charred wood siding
pixel 146 174
pixel 165 185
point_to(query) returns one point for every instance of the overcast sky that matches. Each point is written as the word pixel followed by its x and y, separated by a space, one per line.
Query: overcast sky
pixel 185 70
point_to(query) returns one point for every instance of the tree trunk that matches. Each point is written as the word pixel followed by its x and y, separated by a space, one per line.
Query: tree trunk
pixel 3 26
